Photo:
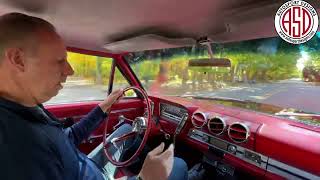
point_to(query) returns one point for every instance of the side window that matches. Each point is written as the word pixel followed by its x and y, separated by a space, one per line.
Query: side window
pixel 121 82
pixel 89 82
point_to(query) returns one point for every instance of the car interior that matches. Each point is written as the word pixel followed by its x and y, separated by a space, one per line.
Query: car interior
pixel 231 139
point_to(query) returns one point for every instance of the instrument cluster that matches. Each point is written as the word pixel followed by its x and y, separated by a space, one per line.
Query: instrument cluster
pixel 171 112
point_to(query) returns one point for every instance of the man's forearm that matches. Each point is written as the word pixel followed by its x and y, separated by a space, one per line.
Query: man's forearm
pixel 87 125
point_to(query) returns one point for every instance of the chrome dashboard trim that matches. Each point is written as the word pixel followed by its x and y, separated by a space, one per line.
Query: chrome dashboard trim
pixel 171 117
pixel 168 116
pixel 240 151
pixel 288 171
pixel 204 116
pixel 223 122
pixel 252 157
pixel 247 133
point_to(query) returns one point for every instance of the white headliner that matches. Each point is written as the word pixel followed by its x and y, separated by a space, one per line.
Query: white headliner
pixel 92 24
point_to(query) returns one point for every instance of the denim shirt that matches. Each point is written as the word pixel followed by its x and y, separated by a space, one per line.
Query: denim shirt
pixel 34 145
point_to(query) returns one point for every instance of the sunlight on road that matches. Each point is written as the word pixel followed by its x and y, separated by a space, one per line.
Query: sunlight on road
pixel 258 97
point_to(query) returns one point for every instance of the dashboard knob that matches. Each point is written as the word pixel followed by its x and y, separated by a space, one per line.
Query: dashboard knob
pixel 167 136
pixel 232 149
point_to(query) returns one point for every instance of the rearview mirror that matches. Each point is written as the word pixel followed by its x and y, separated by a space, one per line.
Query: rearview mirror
pixel 214 62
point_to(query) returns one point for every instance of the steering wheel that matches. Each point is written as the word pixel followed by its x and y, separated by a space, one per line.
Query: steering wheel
pixel 140 125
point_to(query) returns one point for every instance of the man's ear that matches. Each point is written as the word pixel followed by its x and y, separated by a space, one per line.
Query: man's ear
pixel 16 57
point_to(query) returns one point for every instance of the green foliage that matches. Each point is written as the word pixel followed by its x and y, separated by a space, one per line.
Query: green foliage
pixel 147 70
pixel 245 66
pixel 85 66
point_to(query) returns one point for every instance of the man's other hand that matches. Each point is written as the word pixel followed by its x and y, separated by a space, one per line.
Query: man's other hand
pixel 112 98
pixel 158 164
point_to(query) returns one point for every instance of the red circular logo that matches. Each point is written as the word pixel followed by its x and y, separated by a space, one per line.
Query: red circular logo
pixel 296 21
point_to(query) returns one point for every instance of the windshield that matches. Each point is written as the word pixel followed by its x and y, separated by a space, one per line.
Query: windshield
pixel 269 71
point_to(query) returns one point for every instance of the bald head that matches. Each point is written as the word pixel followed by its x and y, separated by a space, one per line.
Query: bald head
pixel 33 59
pixel 20 31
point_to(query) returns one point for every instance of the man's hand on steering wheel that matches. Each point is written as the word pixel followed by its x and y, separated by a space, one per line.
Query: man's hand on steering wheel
pixel 112 98
pixel 140 126
pixel 158 163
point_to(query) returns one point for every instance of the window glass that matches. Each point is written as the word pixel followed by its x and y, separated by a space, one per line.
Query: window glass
pixel 89 82
pixel 263 72
pixel 121 82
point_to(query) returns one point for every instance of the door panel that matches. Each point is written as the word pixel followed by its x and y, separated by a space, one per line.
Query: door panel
pixel 129 107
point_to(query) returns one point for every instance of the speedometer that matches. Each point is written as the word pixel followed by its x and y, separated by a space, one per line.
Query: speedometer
pixel 171 112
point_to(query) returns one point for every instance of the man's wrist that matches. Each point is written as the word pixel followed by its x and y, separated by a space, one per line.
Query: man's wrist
pixel 104 107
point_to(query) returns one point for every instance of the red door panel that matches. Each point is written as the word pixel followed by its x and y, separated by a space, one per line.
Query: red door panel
pixel 129 107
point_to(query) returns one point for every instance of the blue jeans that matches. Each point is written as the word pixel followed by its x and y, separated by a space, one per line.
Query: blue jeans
pixel 179 170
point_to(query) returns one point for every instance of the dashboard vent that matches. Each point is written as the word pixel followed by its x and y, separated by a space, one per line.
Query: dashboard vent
pixel 198 119
pixel 238 132
pixel 216 125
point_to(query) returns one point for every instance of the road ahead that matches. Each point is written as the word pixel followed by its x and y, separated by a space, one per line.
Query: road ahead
pixel 292 93
pixel 289 93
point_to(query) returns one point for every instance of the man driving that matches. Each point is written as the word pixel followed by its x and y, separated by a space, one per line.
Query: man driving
pixel 33 143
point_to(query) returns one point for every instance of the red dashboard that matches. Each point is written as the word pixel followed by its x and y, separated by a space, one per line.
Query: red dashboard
pixel 258 143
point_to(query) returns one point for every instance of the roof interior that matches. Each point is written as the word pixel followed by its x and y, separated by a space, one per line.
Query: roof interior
pixel 92 24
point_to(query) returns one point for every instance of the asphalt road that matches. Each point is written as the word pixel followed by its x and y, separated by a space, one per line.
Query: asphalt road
pixel 292 93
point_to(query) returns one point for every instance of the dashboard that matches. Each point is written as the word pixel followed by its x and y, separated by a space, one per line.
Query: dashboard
pixel 243 135
pixel 171 112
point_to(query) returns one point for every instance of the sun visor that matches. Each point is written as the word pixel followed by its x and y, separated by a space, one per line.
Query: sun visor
pixel 147 42
pixel 248 22
pixel 247 31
